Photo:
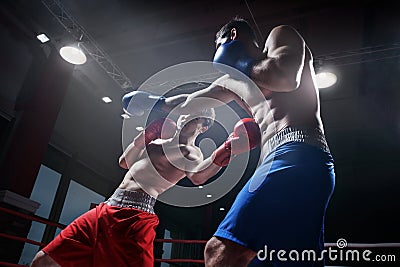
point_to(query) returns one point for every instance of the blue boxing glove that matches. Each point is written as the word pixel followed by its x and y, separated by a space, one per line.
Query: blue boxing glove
pixel 233 54
pixel 137 102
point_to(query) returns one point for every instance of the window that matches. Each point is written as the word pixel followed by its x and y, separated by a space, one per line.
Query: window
pixel 77 202
pixel 167 247
pixel 43 192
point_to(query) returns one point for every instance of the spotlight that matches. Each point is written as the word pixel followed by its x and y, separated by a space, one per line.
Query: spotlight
pixel 43 38
pixel 106 99
pixel 325 79
pixel 73 54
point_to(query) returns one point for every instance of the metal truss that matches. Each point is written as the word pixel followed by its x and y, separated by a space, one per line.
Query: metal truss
pixel 87 43
pixel 363 55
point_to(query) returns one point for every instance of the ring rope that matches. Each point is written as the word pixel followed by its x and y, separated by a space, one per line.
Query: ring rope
pixel 22 239
pixel 2 263
pixel 182 241
pixel 366 245
pixel 33 218
pixel 179 261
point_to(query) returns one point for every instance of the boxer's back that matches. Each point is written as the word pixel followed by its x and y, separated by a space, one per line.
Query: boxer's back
pixel 299 108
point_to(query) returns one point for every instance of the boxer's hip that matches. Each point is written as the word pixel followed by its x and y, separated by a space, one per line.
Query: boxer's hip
pixel 132 199
pixel 311 136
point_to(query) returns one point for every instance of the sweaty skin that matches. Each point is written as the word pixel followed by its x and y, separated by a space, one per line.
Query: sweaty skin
pixel 154 172
pixel 285 79
pixel 159 165
pixel 298 108
pixel 163 163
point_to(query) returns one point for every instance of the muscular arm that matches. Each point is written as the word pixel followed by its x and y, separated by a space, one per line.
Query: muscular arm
pixel 203 171
pixel 281 70
pixel 163 128
pixel 213 96
pixel 196 168
pixel 132 153
pixel 245 136
pixel 173 101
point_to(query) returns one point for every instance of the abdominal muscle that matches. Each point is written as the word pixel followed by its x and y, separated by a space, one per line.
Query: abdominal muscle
pixel 153 173
pixel 299 108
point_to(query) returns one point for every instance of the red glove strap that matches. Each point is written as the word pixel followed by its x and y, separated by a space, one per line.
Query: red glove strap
pixel 222 155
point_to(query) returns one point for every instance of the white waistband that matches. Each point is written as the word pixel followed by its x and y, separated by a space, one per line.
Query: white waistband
pixel 314 137
pixel 132 199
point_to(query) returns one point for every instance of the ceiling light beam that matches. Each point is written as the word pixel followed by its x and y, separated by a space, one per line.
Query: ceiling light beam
pixel 88 44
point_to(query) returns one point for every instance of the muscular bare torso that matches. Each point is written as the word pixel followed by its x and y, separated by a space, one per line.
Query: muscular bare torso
pixel 275 111
pixel 299 108
pixel 161 166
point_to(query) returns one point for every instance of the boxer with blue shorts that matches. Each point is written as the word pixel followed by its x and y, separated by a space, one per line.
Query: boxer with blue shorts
pixel 293 184
pixel 282 207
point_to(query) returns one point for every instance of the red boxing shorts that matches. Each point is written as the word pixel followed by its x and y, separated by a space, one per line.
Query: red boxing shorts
pixel 106 236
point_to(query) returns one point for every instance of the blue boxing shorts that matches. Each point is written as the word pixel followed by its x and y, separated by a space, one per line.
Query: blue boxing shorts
pixel 282 206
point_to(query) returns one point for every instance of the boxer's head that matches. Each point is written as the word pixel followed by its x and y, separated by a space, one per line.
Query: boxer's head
pixel 236 29
pixel 208 116
pixel 196 123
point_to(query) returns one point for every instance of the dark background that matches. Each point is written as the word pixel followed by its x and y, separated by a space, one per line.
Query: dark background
pixel 358 39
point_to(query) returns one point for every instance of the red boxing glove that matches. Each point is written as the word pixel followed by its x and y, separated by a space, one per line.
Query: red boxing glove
pixel 246 136
pixel 222 155
pixel 249 129
pixel 163 128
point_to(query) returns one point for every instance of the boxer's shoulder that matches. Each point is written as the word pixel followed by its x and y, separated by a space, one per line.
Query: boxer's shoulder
pixel 191 152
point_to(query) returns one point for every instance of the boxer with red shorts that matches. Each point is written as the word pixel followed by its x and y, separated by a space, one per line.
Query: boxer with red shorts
pixel 121 231
pixel 111 234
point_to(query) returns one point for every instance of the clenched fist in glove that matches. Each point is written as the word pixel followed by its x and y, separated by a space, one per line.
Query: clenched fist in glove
pixel 246 136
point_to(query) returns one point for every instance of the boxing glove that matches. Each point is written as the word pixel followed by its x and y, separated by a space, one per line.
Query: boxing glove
pixel 137 102
pixel 233 54
pixel 248 127
pixel 163 128
pixel 222 155
pixel 246 136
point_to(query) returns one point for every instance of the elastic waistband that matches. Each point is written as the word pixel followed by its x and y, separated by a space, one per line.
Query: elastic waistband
pixel 314 137
pixel 132 199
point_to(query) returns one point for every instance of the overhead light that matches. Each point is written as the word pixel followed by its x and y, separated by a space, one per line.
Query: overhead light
pixel 139 128
pixel 125 116
pixel 106 99
pixel 325 79
pixel 222 209
pixel 208 195
pixel 43 37
pixel 200 187
pixel 73 55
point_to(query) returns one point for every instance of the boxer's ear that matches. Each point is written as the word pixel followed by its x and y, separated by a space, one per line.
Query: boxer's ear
pixel 233 34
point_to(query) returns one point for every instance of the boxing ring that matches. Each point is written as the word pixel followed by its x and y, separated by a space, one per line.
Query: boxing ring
pixel 341 243
pixel 38 219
